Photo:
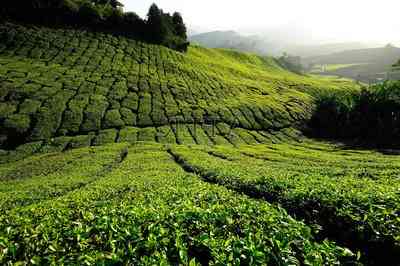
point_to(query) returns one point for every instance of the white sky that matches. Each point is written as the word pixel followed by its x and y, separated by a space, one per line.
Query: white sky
pixel 317 20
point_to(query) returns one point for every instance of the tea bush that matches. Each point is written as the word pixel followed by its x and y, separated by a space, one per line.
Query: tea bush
pixel 119 205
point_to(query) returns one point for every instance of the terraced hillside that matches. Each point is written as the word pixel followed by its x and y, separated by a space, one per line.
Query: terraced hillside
pixel 75 88
pixel 116 152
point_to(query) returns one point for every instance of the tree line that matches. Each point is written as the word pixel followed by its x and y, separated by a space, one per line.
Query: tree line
pixel 101 15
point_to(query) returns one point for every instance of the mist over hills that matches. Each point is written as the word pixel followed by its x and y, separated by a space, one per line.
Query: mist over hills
pixel 387 55
pixel 366 62
pixel 271 43
pixel 367 65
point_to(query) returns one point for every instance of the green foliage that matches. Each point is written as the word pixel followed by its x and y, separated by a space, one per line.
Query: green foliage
pixel 166 29
pixel 351 195
pixel 94 113
pixel 18 123
pixel 100 15
pixel 6 109
pixel 179 26
pixel 369 116
pixel 80 141
pixel 113 119
pixel 70 199
pixel 86 82
pixel 105 137
pixel 128 134
pixel 55 145
pixel 113 205
pixel 29 107
pixel 128 117
pixel 147 134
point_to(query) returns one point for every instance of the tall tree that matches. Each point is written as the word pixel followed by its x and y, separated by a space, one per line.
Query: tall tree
pixel 179 26
pixel 157 30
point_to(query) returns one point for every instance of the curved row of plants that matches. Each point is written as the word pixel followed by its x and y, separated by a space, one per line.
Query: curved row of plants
pixel 142 209
pixel 350 198
pixel 57 83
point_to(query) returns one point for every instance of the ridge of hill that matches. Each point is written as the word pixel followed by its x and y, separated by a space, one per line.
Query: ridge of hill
pixel 388 54
pixel 232 40
pixel 60 85
pixel 367 65
pixel 271 43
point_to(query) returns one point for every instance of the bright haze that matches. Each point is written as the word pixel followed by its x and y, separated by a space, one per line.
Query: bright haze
pixel 301 21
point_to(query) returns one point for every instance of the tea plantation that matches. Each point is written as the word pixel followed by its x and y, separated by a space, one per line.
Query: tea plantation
pixel 75 88
pixel 117 152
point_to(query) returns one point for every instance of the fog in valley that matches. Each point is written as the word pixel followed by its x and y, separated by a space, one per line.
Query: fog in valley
pixel 290 23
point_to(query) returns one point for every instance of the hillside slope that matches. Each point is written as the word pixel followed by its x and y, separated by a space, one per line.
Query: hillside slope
pixel 387 54
pixel 367 65
pixel 60 84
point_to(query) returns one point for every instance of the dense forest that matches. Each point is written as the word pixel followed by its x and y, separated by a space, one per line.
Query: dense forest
pixel 101 15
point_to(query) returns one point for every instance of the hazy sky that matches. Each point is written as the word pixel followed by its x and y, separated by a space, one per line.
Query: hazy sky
pixel 314 20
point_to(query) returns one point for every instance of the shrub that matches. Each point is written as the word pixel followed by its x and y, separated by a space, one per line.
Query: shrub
pixel 6 109
pixel 165 135
pixel 131 101
pixel 18 123
pixel 113 119
pixel 29 107
pixel 105 136
pixel 128 117
pixel 128 134
pixel 49 116
pixel 73 117
pixel 80 141
pixel 55 144
pixel 371 116
pixel 94 113
pixel 147 134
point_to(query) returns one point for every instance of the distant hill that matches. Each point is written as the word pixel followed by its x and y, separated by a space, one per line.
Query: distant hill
pixel 368 65
pixel 324 49
pixel 234 40
pixel 270 44
pixel 388 55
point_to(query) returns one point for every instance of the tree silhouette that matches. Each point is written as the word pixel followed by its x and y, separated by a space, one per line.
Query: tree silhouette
pixel 179 26
pixel 157 30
